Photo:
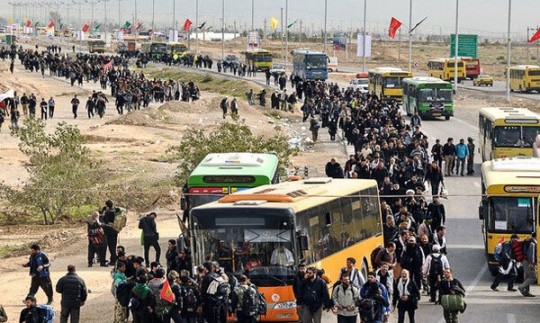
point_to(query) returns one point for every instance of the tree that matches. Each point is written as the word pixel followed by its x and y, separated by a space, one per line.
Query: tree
pixel 62 172
pixel 229 137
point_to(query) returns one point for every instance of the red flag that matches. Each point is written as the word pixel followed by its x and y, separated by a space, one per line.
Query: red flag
pixel 535 37
pixel 166 292
pixel 28 23
pixel 187 24
pixel 51 24
pixel 394 26
pixel 139 25
pixel 107 66
pixel 85 28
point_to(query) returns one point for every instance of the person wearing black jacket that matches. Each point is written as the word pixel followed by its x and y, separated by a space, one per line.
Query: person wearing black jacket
pixel 312 297
pixel 39 271
pixel 31 314
pixel 451 286
pixel 111 234
pixel 73 290
pixel 150 236
pixel 406 297
pixel 210 308
pixel 171 253
pixel 300 275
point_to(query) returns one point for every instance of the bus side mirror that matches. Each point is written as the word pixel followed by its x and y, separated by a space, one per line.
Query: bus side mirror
pixel 482 211
pixel 303 242
pixel 183 203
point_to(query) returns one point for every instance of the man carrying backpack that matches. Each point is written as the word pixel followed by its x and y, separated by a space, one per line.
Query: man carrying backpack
pixel 507 264
pixel 434 267
pixel 375 302
pixel 245 301
pixel 345 295
pixel 214 295
pixel 142 302
pixel 112 235
pixel 312 297
pixel 529 265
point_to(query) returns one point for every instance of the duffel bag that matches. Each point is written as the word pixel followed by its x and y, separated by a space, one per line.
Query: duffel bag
pixel 453 303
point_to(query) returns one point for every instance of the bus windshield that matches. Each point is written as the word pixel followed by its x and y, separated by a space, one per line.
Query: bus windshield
pixel 435 94
pixel 316 61
pixel 529 135
pixel 261 244
pixel 534 72
pixel 393 82
pixel 507 136
pixel 262 58
pixel 511 214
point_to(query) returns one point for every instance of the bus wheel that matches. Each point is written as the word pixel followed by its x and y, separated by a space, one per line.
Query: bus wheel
pixel 446 118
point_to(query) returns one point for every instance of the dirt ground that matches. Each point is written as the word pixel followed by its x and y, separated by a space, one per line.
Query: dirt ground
pixel 135 144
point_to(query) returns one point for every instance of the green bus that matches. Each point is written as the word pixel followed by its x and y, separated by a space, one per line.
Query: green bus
pixel 429 96
pixel 218 175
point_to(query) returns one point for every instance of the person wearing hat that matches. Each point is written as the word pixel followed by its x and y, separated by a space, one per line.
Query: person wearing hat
pixel 507 265
pixel 413 259
pixel 434 266
pixel 470 157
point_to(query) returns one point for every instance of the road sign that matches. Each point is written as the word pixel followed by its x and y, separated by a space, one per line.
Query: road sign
pixel 468 45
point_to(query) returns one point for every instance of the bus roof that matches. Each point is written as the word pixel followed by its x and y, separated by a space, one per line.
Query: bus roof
pixel 390 70
pixel 307 52
pixel 445 59
pixel 524 67
pixel 237 163
pixel 512 175
pixel 509 115
pixel 425 80
pixel 298 195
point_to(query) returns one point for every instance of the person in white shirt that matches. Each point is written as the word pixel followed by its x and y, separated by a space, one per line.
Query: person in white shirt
pixel 434 266
pixel 282 257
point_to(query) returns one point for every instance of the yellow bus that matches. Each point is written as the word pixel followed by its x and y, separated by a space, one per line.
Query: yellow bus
pixel 510 189
pixel 320 221
pixel 96 46
pixel 262 59
pixel 387 82
pixel 507 132
pixel 525 78
pixel 177 50
pixel 443 68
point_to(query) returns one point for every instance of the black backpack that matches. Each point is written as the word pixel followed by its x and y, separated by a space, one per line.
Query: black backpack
pixel 123 293
pixel 436 266
pixel 366 308
pixel 250 301
pixel 189 299
pixel 219 290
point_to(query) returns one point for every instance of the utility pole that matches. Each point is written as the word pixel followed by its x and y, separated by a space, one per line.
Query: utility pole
pixel 325 22
pixel 286 34
pixel 222 30
pixel 252 15
pixel 364 40
pixel 508 52
pixel 410 35
pixel 197 27
pixel 456 49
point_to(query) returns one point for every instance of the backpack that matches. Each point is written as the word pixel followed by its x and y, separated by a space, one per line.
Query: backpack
pixel 373 256
pixel 95 234
pixel 162 306
pixel 262 304
pixel 366 309
pixel 47 313
pixel 189 300
pixel 525 248
pixel 436 266
pixel 123 293
pixel 250 301
pixel 120 219
pixel 219 290
pixel 503 250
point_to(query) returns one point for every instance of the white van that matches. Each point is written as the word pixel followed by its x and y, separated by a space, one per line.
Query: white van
pixel 332 64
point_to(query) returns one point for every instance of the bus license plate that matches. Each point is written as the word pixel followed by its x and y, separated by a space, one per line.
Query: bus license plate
pixel 436 114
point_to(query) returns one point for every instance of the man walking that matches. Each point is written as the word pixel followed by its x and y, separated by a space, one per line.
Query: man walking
pixel 451 286
pixel 43 106
pixel 52 104
pixel 73 290
pixel 39 270
pixel 461 153
pixel 470 158
pixel 529 265
pixel 312 296
pixel 507 265
pixel 75 106
pixel 449 154
pixel 150 236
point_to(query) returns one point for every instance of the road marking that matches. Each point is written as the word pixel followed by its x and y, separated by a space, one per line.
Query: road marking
pixel 465 246
pixel 510 318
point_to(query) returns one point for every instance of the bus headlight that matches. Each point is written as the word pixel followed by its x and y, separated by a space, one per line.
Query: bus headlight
pixel 285 306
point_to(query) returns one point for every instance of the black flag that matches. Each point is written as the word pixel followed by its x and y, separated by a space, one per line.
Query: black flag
pixel 202 25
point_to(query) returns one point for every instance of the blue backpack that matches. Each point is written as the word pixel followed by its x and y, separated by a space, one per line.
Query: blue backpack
pixel 47 312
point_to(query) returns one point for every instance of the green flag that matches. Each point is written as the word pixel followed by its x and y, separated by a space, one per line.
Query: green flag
pixel 97 27
pixel 36 24
pixel 292 24
pixel 127 25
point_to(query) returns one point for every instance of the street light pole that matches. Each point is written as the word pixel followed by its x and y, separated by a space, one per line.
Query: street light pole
pixel 508 52
pixel 364 39
pixel 456 50
pixel 410 35
pixel 197 27
pixel 325 21
pixel 106 25
pixel 286 33
pixel 173 21
pixel 252 15
pixel 153 15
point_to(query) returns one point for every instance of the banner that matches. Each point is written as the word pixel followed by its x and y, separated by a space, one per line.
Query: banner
pixel 273 23
pixel 394 26
pixel 535 37
pixel 85 28
pixel 51 24
pixel 127 25
pixel 8 95
pixel 187 25
pixel 360 51
pixel 339 43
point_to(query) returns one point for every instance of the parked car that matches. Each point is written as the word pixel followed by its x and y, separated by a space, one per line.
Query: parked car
pixel 231 59
pixel 483 80
pixel 360 84
pixel 277 68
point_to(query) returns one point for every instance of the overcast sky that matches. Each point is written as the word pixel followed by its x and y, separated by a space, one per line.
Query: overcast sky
pixel 485 17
